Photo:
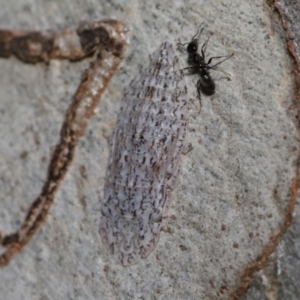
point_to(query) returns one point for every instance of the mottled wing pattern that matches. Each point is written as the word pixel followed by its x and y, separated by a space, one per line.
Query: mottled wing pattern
pixel 145 158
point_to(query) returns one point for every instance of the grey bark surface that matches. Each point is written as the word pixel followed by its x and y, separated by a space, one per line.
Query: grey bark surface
pixel 280 279
pixel 235 186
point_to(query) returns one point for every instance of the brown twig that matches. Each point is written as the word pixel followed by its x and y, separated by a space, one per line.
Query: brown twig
pixel 109 39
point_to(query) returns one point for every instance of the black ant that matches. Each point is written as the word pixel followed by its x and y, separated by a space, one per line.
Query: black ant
pixel 198 65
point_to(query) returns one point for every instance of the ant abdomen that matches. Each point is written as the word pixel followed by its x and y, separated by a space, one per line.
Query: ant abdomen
pixel 206 85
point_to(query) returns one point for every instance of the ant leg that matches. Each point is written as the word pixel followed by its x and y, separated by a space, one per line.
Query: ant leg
pixel 225 58
pixel 189 68
pixel 199 95
pixel 221 70
pixel 203 48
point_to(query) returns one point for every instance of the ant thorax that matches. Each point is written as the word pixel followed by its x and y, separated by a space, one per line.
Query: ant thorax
pixel 196 60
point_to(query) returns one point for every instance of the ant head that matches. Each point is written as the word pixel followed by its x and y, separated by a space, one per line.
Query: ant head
pixel 192 47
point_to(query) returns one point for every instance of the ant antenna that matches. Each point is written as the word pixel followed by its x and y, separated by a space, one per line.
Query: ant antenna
pixel 194 37
pixel 198 32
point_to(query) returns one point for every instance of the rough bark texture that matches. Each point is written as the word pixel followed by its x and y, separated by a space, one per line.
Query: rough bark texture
pixel 231 222
pixel 279 279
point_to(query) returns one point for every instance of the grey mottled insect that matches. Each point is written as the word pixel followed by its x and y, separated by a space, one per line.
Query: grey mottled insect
pixel 145 158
